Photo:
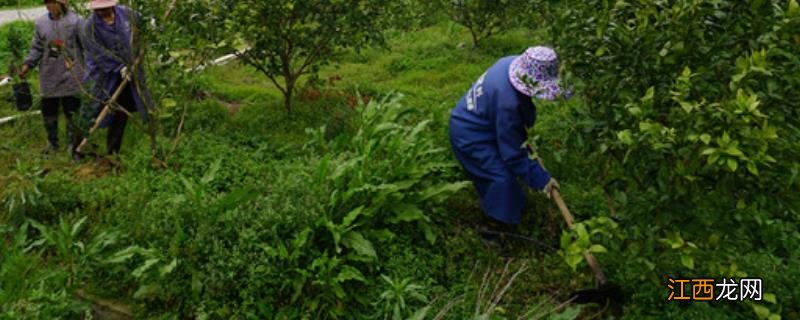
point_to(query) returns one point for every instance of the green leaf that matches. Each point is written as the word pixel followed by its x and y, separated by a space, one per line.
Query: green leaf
pixel 351 216
pixel 583 240
pixel 624 136
pixel 420 314
pixel 566 240
pixel 687 261
pixel 211 173
pixel 733 165
pixel 168 103
pixel 147 290
pixel 76 228
pixel 441 192
pixel 649 94
pixel 573 260
pixel 382 235
pixel 600 52
pixel 706 138
pixel 752 168
pixel 350 273
pixel 737 78
pixel 167 269
pixel 687 72
pixel 570 313
pixel 356 241
pixel 124 254
pixel 708 151
pixel 761 311
pixel 687 106
pixel 407 213
pixel 725 139
pixel 141 269
pixel 712 159
pixel 664 51
pixel 774 317
pixel 428 231
pixel 794 9
pixel 770 297
pixel 734 151
pixel 596 248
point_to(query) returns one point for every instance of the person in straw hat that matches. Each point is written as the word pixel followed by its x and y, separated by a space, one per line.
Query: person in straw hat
pixel 109 38
pixel 488 135
pixel 56 49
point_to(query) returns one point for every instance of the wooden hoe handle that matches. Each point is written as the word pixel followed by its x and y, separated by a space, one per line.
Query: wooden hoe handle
pixel 103 113
pixel 590 259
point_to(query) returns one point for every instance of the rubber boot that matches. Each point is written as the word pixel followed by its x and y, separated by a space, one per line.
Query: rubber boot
pixel 51 127
pixel 74 141
pixel 493 233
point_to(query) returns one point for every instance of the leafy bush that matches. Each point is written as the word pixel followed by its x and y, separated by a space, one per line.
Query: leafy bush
pixel 14 43
pixel 217 241
pixel 686 119
pixel 29 287
pixel 699 103
pixel 22 191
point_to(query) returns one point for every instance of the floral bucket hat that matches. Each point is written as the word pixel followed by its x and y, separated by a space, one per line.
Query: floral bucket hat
pixel 535 74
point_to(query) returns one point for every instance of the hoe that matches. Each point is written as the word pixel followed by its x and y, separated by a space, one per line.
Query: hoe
pixel 605 293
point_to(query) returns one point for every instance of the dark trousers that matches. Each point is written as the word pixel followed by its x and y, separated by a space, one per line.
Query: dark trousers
pixel 50 115
pixel 119 120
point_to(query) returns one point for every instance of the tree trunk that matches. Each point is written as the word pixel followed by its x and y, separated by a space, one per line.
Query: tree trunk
pixel 287 95
pixel 476 39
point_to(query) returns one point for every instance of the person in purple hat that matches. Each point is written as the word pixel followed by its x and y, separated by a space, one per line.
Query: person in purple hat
pixel 488 135
pixel 111 55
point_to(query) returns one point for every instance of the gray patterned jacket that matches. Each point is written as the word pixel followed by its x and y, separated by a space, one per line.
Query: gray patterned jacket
pixel 56 48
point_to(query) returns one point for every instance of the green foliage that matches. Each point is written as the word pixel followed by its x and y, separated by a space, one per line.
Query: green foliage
pixel 286 40
pixel 393 300
pixel 485 18
pixel 409 15
pixel 29 287
pixel 14 43
pixel 663 92
pixel 576 242
pixel 77 255
pixel 19 3
pixel 387 167
pixel 684 117
pixel 21 190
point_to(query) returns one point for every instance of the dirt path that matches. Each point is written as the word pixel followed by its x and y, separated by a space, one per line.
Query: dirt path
pixel 10 15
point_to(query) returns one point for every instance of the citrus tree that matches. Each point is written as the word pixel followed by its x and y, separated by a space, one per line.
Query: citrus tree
pixel 286 40
pixel 687 115
pixel 485 18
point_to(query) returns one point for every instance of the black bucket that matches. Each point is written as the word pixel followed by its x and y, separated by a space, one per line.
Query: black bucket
pixel 22 96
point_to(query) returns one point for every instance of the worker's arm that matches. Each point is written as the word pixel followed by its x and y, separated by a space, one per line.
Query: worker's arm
pixel 35 54
pixel 98 59
pixel 511 137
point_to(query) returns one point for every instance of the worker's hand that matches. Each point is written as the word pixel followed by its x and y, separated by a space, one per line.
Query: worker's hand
pixel 23 71
pixel 124 73
pixel 551 186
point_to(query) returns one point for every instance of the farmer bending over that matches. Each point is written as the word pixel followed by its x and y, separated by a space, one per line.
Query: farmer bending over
pixel 488 134
pixel 56 49
pixel 111 56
